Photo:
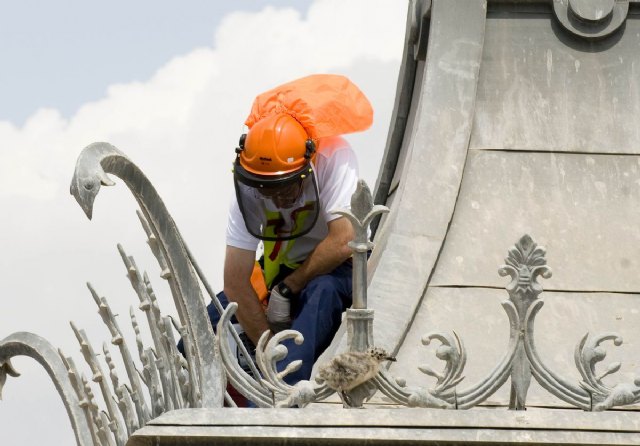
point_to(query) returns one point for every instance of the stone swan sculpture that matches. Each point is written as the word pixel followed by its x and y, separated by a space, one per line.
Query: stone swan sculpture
pixel 94 163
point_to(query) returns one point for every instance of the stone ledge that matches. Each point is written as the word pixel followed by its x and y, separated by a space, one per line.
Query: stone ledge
pixel 328 426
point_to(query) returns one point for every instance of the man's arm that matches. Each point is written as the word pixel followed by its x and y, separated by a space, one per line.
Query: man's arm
pixel 329 253
pixel 238 266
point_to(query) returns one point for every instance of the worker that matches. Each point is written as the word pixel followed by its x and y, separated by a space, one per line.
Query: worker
pixel 292 169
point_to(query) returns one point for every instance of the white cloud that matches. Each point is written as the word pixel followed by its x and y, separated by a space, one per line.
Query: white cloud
pixel 180 127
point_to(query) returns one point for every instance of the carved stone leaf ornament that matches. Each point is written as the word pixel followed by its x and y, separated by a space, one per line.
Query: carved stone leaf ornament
pixel 524 263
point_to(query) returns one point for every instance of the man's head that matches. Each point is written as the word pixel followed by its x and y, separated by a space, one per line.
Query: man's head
pixel 273 169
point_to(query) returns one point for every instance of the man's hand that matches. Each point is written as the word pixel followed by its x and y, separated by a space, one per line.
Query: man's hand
pixel 279 309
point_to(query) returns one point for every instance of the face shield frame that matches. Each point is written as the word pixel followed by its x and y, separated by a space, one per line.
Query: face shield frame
pixel 270 184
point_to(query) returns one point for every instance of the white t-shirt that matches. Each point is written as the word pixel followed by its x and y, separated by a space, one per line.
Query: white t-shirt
pixel 336 169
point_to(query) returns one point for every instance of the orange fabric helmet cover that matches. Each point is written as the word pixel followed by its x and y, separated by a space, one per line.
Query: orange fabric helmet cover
pixel 324 104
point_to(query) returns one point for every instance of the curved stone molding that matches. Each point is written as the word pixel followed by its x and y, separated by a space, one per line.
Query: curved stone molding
pixel 420 13
pixel 29 344
pixel 591 19
pixel 436 135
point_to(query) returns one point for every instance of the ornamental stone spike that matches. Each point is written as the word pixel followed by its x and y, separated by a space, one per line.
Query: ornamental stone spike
pixel 524 263
pixel 99 378
pixel 361 213
pixel 118 340
pixel 152 241
pixel 359 317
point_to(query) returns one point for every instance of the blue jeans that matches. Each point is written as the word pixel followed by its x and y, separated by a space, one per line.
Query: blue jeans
pixel 316 314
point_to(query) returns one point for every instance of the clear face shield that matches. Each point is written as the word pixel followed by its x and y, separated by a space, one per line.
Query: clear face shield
pixel 281 209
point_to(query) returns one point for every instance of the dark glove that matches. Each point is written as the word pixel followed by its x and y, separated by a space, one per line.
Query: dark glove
pixel 279 308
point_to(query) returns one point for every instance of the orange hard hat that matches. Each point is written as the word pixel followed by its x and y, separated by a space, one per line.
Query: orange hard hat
pixel 276 146
pixel 273 168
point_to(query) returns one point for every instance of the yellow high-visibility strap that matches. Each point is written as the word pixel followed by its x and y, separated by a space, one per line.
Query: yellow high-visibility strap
pixel 275 254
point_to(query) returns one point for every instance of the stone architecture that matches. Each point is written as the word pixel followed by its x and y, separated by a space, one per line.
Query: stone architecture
pixel 515 125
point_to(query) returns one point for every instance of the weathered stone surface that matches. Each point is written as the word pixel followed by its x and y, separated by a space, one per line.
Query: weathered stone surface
pixel 582 208
pixel 482 324
pixel 541 88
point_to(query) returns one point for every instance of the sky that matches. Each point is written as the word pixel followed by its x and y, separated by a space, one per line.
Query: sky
pixel 170 85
